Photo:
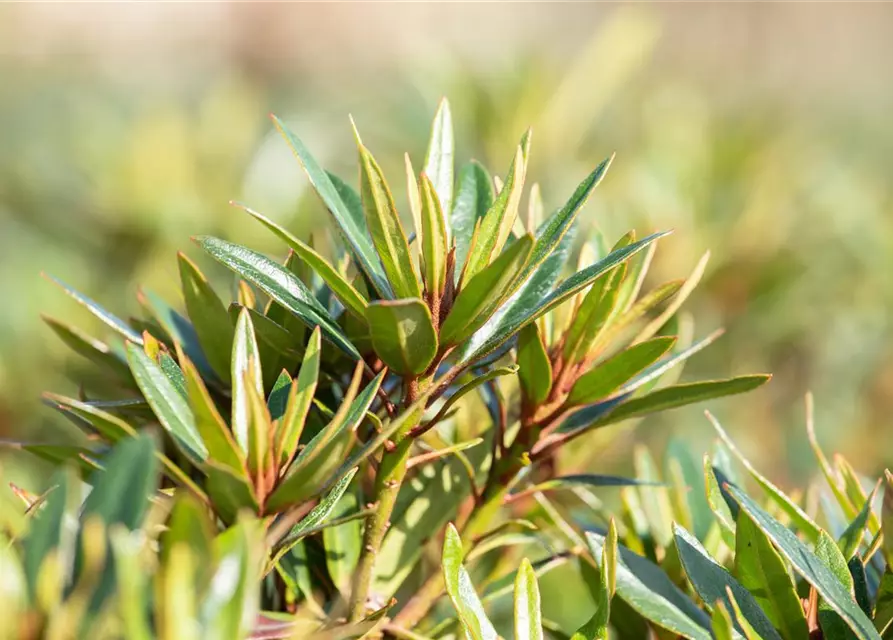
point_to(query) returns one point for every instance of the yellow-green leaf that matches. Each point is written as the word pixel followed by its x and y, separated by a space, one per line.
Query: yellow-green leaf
pixel 439 158
pixel 300 398
pixel 534 366
pixel 245 358
pixel 434 239
pixel 528 618
pixel 402 334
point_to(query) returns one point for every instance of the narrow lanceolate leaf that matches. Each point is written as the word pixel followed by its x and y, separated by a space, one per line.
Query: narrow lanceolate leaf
pixel 47 531
pixel 434 239
pixel 94 350
pixel 312 470
pixel 534 366
pixel 681 296
pixel 300 398
pixel 711 580
pixel 684 394
pixel 762 571
pixel 597 626
pixel 245 369
pixel 518 315
pixel 592 314
pixel 352 299
pixel 208 422
pixel 281 285
pixel 636 311
pixel 209 317
pixel 803 522
pixel 349 221
pixel 721 623
pixel 169 406
pixel 649 591
pixel 107 318
pixel 439 158
pixel 551 233
pixel 852 537
pixel 481 296
pixel 496 225
pixel 387 232
pixel 528 619
pixel 468 605
pixel 473 199
pixel 807 564
pixel 402 334
pixel 605 378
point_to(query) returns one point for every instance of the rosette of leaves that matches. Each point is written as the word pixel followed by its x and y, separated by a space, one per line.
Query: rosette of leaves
pixel 322 367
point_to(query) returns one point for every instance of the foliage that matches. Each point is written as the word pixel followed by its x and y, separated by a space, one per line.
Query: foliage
pixel 369 399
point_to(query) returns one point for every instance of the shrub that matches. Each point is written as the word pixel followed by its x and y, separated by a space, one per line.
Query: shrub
pixel 286 465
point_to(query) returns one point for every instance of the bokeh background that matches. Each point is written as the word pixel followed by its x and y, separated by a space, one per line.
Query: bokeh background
pixel 759 131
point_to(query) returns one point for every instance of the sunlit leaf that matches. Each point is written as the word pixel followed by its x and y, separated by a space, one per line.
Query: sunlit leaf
pixel 534 366
pixel 402 334
pixel 439 157
pixel 528 619
pixel 468 605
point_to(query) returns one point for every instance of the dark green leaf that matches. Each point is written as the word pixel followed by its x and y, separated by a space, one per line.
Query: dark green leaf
pixel 534 366
pixel 281 285
pixel 300 398
pixel 402 334
pixel 711 581
pixel 473 199
pixel 762 571
pixel 107 318
pixel 809 566
pixel 169 405
pixel 209 317
pixel 341 203
pixel 608 376
pixel 90 348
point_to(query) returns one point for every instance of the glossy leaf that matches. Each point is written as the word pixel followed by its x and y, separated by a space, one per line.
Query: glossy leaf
pixel 281 285
pixel 300 399
pixel 434 239
pixel 388 236
pixel 649 591
pixel 534 366
pixel 480 297
pixel 169 405
pixel 608 376
pixel 402 334
pixel 473 199
pixel 352 299
pixel 208 315
pixel 439 157
pixel 104 316
pixel 809 566
pixel 245 369
pixel 762 571
pixel 851 538
pixel 528 619
pixel 338 202
pixel 318 515
pixel 590 317
pixel 711 580
pixel 461 591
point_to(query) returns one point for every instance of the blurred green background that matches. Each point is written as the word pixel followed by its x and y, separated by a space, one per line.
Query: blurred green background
pixel 758 131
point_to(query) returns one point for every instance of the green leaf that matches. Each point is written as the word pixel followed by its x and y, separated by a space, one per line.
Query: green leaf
pixel 208 315
pixel 800 519
pixel 468 605
pixel 177 328
pixel 809 566
pixel 482 295
pixel 590 318
pixel 169 405
pixel 245 370
pixel 352 299
pixel 883 603
pixel 107 318
pixel 281 285
pixel 94 350
pixel 603 590
pixel 300 399
pixel 711 581
pixel 439 158
pixel 681 296
pixel 343 542
pixel 473 199
pixel 534 366
pixel 851 538
pixel 434 240
pixel 496 225
pixel 649 591
pixel 230 491
pixel 762 571
pixel 120 496
pixel 105 424
pixel 683 394
pixel 402 334
pixel 385 227
pixel 311 469
pixel 338 200
pixel 533 301
pixel 608 376
pixel 581 480
pixel 318 515
pixel 721 623
pixel 47 532
pixel 551 233
pixel 528 619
